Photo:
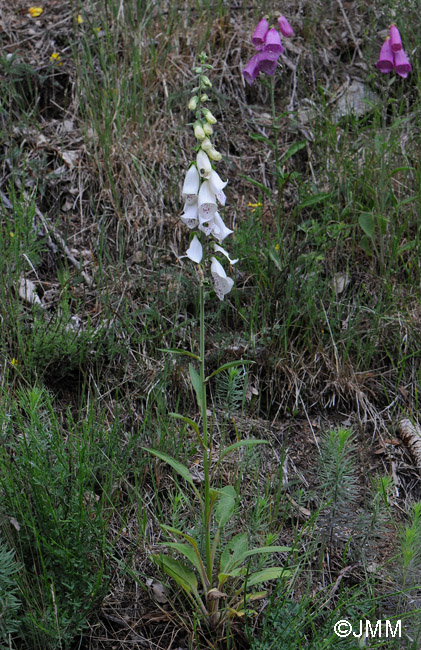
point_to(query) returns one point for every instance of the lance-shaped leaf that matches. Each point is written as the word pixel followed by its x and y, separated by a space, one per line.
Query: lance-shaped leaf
pixel 181 352
pixel 178 571
pixel 262 550
pixel 197 384
pixel 194 548
pixel 242 443
pixel 175 464
pixel 226 504
pixel 230 364
pixel 271 573
pixel 185 550
pixel 189 421
pixel 235 548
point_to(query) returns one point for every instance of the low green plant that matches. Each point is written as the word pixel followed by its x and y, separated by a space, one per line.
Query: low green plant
pixel 9 594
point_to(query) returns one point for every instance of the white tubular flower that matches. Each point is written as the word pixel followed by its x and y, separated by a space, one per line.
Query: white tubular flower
pixel 206 202
pixel 221 283
pixel 190 218
pixel 208 128
pixel 198 131
pixel 219 229
pixel 208 116
pixel 214 154
pixel 203 164
pixel 206 145
pixel 195 251
pixel 217 185
pixel 207 227
pixel 191 185
pixel 219 249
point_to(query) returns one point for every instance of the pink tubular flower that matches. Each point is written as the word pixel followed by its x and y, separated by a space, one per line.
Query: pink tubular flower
pixel 395 39
pixel 258 38
pixel 273 43
pixel 285 27
pixel 385 63
pixel 260 62
pixel 402 65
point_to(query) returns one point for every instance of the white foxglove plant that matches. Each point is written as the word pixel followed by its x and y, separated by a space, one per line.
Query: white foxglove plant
pixel 208 563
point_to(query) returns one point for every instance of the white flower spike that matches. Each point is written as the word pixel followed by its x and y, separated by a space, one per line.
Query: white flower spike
pixel 219 249
pixel 195 250
pixel 191 185
pixel 221 283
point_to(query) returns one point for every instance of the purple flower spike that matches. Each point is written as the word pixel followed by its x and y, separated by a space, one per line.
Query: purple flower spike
pixel 395 39
pixel 402 65
pixel 285 27
pixel 273 44
pixel 258 38
pixel 385 63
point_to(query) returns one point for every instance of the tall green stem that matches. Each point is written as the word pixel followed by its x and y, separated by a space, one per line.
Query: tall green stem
pixel 276 151
pixel 206 519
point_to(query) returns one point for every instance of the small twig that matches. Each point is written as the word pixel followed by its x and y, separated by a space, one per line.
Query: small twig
pixel 348 24
pixel 338 582
pixel 52 232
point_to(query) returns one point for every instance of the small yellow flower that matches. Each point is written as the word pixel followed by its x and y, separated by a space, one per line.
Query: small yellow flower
pixel 14 362
pixel 79 19
pixel 56 58
pixel 35 11
pixel 12 234
pixel 277 247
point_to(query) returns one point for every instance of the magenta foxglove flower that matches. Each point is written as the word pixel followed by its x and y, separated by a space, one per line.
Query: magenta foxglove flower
pixel 285 27
pixel 258 38
pixel 395 39
pixel 402 65
pixel 260 62
pixel 385 63
pixel 273 43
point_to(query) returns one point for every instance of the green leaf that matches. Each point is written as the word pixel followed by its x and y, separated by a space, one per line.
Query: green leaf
pixel 226 504
pixel 366 245
pixel 235 548
pixel 312 200
pixel 292 151
pixel 178 467
pixel 187 551
pixel 262 187
pixel 242 443
pixel 274 256
pixel 230 364
pixel 265 549
pixel 271 573
pixel 261 138
pixel 178 571
pixel 367 224
pixel 197 384
pixel 181 352
pixel 189 421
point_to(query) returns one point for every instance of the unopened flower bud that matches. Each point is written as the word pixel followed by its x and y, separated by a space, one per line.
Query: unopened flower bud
pixel 206 144
pixel 208 116
pixel 203 164
pixel 198 131
pixel 204 98
pixel 193 103
pixel 206 81
pixel 214 154
pixel 208 128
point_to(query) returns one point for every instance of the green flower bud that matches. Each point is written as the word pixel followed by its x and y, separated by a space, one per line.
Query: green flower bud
pixel 204 98
pixel 207 128
pixel 213 154
pixel 206 144
pixel 198 131
pixel 193 103
pixel 206 81
pixel 208 116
